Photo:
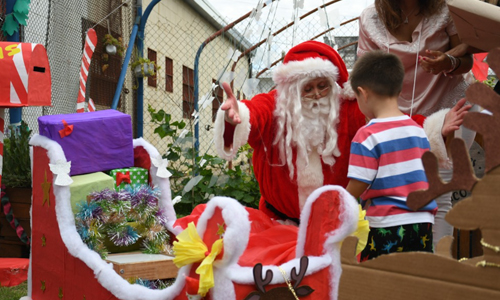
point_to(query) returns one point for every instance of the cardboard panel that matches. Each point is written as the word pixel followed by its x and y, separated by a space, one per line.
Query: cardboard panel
pixel 477 23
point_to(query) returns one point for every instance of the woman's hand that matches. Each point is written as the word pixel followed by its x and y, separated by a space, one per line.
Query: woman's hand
pixel 455 117
pixel 435 62
pixel 230 106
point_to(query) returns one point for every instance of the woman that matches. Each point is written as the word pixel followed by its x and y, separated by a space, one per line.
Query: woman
pixel 421 32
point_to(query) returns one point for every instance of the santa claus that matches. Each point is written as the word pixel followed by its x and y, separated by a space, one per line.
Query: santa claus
pixel 301 131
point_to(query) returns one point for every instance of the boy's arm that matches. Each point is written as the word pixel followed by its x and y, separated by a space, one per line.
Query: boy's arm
pixel 455 117
pixel 356 187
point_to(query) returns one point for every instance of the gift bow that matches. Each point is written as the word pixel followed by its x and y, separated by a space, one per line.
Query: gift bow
pixel 122 177
pixel 67 130
pixel 362 232
pixel 189 249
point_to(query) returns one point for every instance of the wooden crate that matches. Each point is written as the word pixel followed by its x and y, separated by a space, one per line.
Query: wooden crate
pixel 145 266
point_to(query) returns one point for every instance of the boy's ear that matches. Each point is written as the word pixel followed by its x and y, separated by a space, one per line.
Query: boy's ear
pixel 362 93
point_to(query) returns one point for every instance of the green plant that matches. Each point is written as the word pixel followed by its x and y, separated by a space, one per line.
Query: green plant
pixel 197 178
pixel 142 67
pixel 141 61
pixel 117 42
pixel 14 292
pixel 16 156
pixel 491 81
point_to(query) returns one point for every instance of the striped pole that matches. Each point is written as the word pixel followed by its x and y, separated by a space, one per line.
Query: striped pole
pixel 88 50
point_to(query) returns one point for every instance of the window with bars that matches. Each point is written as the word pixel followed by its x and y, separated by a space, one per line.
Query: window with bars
pixel 152 57
pixel 218 94
pixel 187 92
pixel 169 75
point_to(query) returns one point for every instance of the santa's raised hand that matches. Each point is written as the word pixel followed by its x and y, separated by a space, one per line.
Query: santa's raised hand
pixel 230 106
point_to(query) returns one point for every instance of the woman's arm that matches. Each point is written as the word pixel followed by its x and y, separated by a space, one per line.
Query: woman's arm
pixel 464 58
pixel 453 62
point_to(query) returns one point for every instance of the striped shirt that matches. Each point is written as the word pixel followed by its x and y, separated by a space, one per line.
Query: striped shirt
pixel 386 154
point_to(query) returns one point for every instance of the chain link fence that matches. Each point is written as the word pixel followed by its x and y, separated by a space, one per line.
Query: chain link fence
pixel 244 55
pixel 61 26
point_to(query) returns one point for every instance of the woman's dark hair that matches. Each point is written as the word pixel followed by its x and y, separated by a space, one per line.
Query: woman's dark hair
pixel 389 11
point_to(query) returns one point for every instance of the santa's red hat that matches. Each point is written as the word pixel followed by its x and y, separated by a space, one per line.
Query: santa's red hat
pixel 311 59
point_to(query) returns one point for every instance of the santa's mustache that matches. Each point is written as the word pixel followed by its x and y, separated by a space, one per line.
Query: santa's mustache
pixel 316 106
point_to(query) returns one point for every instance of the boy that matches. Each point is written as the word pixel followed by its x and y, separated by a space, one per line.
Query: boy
pixel 385 163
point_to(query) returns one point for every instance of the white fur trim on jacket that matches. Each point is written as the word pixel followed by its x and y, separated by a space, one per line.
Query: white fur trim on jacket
pixel 347 92
pixel 241 132
pixel 311 67
pixel 432 127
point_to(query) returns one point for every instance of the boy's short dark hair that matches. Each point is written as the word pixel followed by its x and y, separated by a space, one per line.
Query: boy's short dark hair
pixel 380 72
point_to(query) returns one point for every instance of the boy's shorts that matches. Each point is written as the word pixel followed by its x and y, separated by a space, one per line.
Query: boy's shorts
pixel 402 238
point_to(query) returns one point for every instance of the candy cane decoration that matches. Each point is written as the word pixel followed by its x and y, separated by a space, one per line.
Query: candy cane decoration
pixel 88 50
pixel 91 105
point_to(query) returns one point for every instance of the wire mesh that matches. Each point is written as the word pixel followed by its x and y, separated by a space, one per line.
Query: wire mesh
pixel 175 32
pixel 61 26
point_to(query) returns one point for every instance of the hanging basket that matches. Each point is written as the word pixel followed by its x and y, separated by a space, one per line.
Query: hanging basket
pixel 111 49
pixel 145 70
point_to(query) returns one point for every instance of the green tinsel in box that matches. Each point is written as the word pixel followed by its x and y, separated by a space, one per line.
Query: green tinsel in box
pixel 125 218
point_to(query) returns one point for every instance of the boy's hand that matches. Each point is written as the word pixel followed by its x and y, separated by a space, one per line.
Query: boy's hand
pixel 455 117
pixel 230 106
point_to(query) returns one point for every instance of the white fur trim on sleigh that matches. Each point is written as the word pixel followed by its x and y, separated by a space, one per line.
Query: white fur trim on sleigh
pixel 241 132
pixel 162 183
pixel 103 271
pixel 432 127
pixel 311 67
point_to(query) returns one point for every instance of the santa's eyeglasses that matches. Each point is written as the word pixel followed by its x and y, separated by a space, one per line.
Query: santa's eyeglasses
pixel 317 93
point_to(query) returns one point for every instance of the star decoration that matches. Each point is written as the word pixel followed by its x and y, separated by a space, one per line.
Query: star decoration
pixel 44 240
pixel 60 293
pixel 221 229
pixel 161 164
pixel 43 288
pixel 61 169
pixel 46 191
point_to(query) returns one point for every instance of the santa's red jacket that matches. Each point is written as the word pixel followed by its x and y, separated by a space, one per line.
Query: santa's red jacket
pixel 258 129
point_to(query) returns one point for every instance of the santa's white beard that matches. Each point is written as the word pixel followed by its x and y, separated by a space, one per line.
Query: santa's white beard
pixel 314 124
pixel 306 125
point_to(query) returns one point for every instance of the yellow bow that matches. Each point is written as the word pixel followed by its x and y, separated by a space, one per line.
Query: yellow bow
pixel 362 232
pixel 189 249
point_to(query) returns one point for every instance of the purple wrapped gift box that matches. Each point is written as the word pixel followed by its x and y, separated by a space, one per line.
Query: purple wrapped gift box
pixel 94 141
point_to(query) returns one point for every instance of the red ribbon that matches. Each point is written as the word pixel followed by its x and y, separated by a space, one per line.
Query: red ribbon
pixel 122 177
pixel 67 130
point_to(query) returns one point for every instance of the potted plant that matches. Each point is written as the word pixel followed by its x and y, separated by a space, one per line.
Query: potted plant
pixel 113 45
pixel 16 178
pixel 144 67
pixel 16 157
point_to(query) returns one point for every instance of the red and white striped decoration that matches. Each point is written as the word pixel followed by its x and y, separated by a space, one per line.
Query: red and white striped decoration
pixel 88 50
pixel 91 105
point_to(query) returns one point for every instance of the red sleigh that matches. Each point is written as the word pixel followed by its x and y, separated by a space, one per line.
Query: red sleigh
pixel 63 266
